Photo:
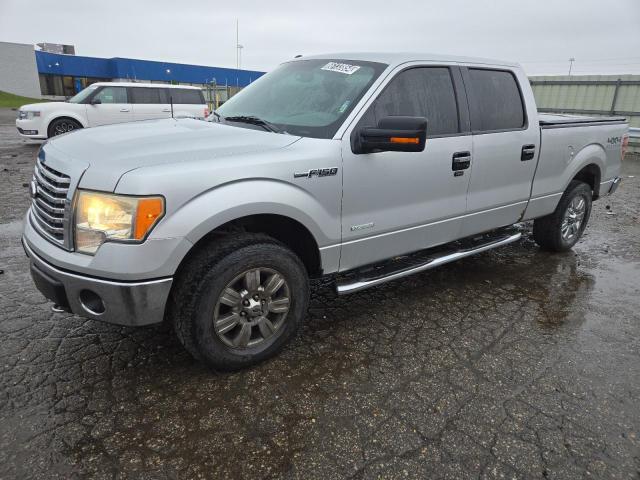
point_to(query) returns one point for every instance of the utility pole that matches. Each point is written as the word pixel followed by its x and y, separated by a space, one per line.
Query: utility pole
pixel 571 60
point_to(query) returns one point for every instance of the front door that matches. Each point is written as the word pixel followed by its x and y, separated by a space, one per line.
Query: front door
pixel 399 202
pixel 113 107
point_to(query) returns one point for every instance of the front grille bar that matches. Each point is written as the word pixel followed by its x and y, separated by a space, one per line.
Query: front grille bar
pixel 51 174
pixel 49 186
pixel 46 206
pixel 48 196
pixel 45 225
pixel 50 218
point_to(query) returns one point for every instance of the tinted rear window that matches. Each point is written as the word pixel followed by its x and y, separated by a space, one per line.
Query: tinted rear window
pixel 186 96
pixel 146 95
pixel 495 101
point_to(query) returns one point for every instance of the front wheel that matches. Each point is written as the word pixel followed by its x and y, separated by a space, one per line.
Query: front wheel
pixel 562 229
pixel 239 301
pixel 62 125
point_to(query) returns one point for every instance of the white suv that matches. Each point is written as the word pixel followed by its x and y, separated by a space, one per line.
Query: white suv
pixel 107 103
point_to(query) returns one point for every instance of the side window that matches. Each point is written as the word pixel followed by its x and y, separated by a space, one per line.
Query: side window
pixel 495 101
pixel 145 95
pixel 111 95
pixel 187 96
pixel 419 92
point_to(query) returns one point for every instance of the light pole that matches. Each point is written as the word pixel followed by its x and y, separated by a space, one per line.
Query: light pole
pixel 240 47
pixel 571 60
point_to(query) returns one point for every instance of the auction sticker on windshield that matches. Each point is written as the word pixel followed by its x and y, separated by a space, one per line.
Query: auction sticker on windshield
pixel 341 68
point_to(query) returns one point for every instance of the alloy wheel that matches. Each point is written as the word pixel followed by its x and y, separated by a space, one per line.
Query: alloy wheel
pixel 252 309
pixel 63 127
pixel 573 218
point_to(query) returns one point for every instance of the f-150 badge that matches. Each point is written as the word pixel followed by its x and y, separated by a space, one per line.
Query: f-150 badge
pixel 317 172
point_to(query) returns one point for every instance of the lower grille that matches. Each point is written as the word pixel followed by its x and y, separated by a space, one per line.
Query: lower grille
pixel 50 189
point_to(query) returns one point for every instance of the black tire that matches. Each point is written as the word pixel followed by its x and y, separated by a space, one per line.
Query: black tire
pixel 60 126
pixel 198 288
pixel 547 231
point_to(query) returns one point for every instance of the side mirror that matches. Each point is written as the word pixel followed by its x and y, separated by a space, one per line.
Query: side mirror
pixel 393 134
pixel 96 101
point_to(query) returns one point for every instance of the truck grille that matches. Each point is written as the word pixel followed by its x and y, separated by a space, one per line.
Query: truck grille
pixel 48 205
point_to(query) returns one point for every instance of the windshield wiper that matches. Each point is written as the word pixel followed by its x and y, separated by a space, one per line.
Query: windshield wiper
pixel 252 120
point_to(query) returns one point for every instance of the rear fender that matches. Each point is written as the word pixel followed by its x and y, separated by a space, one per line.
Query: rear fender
pixel 555 175
pixel 593 154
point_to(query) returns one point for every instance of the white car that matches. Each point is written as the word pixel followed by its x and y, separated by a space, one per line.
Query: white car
pixel 107 103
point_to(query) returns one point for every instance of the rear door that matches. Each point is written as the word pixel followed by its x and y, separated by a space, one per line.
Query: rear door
pixel 398 202
pixel 505 147
pixel 149 103
pixel 113 107
pixel 187 102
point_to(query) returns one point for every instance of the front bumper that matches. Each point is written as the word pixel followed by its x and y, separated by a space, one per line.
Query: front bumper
pixel 123 303
pixel 29 128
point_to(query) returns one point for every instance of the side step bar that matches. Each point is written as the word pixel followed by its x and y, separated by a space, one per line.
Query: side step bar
pixel 355 285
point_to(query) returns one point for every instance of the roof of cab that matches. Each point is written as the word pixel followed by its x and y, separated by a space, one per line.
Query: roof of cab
pixel 140 84
pixel 399 58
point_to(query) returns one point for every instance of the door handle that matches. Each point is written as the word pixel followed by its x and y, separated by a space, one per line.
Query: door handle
pixel 166 110
pixel 125 110
pixel 460 161
pixel 528 152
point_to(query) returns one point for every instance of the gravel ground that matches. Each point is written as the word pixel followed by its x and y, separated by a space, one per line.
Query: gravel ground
pixel 512 364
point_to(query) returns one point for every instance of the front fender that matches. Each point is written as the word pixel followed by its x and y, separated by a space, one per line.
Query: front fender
pixel 234 200
pixel 203 193
pixel 65 113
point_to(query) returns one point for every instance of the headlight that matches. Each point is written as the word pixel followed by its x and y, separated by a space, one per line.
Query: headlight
pixel 22 115
pixel 102 217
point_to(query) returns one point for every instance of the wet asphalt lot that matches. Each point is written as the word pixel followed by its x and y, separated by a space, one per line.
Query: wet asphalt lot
pixel 513 364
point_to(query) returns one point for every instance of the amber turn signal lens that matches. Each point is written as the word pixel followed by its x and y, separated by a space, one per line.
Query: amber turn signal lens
pixel 148 213
pixel 405 140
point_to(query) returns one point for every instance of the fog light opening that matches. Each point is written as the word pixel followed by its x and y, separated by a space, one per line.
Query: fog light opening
pixel 92 302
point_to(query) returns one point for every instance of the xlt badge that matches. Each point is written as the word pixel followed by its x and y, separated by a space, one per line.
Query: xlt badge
pixel 317 172
pixel 364 226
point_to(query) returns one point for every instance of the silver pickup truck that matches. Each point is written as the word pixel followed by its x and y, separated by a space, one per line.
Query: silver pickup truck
pixel 365 167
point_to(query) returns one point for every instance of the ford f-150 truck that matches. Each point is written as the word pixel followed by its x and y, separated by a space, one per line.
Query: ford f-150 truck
pixel 365 167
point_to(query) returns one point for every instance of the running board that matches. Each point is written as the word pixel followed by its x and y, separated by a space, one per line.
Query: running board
pixel 355 285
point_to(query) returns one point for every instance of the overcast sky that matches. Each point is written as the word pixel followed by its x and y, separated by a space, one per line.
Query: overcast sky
pixel 602 36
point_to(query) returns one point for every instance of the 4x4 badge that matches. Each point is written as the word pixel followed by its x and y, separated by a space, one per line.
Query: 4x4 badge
pixel 317 172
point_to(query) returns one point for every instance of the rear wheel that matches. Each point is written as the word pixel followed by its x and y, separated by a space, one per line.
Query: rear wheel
pixel 240 301
pixel 562 229
pixel 63 125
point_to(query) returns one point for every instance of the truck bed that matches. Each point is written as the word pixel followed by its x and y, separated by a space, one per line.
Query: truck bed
pixel 560 120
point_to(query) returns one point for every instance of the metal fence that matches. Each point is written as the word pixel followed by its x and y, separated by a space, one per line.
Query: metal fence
pixel 599 95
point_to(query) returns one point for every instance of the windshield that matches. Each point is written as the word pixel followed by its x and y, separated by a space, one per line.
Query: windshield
pixel 79 97
pixel 310 98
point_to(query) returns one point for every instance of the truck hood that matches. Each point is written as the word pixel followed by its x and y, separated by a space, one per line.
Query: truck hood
pixel 113 150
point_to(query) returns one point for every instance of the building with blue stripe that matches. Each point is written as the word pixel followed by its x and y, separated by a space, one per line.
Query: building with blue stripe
pixel 29 72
